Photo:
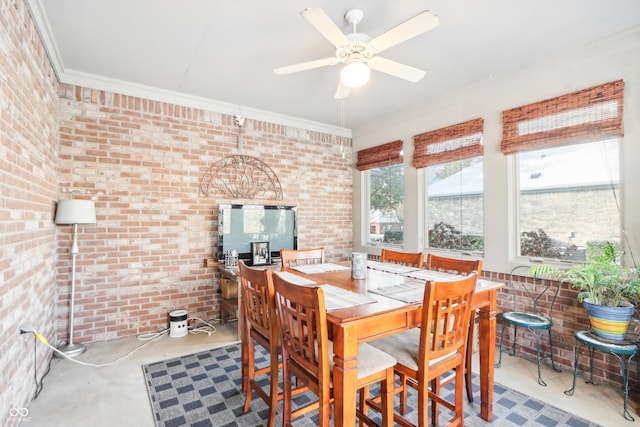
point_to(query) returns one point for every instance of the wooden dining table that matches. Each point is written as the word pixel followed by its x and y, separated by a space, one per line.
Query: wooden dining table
pixel 381 316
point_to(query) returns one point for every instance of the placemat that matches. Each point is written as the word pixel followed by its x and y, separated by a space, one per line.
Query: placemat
pixel 294 278
pixel 390 267
pixel 406 292
pixel 319 268
pixel 336 298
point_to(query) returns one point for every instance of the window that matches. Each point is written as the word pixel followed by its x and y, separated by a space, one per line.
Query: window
pixel 568 172
pixel 452 156
pixel 385 192
pixel 567 198
pixel 455 205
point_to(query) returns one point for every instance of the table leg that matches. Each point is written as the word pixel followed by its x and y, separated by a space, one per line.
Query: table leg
pixel 487 333
pixel 345 375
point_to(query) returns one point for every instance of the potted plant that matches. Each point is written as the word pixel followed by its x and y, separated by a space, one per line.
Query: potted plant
pixel 608 290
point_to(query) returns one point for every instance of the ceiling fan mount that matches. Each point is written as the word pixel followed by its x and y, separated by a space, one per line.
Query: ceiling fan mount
pixel 353 17
pixel 359 51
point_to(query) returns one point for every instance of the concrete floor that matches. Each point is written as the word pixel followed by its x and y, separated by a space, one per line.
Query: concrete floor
pixel 80 396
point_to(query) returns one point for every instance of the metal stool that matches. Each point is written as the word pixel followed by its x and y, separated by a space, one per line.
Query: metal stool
pixel 533 299
pixel 622 350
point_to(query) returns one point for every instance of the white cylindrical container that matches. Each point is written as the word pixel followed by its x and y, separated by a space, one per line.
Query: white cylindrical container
pixel 178 324
pixel 359 265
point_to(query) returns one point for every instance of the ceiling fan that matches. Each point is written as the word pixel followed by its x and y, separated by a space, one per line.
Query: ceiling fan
pixel 359 51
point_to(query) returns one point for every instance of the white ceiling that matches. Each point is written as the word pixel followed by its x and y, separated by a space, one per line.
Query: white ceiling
pixel 223 52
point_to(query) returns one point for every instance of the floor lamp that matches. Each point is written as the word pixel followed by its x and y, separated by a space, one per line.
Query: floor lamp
pixel 74 212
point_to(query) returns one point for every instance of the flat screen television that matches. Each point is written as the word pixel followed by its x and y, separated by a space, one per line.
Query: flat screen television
pixel 240 225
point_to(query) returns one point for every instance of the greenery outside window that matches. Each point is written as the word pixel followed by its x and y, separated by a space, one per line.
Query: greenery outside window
pixel 386 193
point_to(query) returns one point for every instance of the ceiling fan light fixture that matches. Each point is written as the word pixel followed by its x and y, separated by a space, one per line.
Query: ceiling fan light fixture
pixel 359 52
pixel 355 74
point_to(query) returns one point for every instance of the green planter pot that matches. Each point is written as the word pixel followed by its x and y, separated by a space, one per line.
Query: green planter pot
pixel 610 323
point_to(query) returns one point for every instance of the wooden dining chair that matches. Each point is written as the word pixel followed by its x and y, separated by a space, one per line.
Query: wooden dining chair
pixel 307 354
pixel 462 267
pixel 454 265
pixel 427 353
pixel 260 327
pixel 410 259
pixel 292 257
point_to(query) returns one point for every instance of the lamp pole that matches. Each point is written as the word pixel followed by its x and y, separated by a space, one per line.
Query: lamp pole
pixel 72 349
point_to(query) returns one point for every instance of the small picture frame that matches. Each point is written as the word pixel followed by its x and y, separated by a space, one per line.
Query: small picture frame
pixel 260 253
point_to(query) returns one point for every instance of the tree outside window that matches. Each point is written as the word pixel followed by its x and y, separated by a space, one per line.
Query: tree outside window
pixel 386 197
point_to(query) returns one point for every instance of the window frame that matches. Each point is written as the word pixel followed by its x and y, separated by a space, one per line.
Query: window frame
pixel 425 219
pixel 456 142
pixel 376 157
pixel 590 129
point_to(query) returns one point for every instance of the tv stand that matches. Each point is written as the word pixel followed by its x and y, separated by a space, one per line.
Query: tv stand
pixel 229 296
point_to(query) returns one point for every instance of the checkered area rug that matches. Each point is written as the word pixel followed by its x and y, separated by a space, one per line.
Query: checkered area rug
pixel 205 390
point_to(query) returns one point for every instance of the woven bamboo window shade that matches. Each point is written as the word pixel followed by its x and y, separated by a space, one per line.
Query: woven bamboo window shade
pixel 587 115
pixel 456 142
pixel 381 155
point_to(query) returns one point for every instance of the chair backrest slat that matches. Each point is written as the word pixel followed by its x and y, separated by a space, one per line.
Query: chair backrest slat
pixel 532 294
pixel 292 257
pixel 446 314
pixel 410 259
pixel 453 265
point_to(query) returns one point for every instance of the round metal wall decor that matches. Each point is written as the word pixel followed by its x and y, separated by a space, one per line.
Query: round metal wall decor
pixel 241 177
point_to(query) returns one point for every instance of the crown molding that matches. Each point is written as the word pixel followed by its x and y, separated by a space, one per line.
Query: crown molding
pixel 93 81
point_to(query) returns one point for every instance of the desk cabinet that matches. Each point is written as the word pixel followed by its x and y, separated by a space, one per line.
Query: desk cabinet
pixel 229 297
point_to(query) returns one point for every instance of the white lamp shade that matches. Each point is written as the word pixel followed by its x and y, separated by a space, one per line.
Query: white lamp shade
pixel 76 212
pixel 355 74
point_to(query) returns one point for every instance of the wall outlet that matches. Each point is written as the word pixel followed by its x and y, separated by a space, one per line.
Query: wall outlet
pixel 26 328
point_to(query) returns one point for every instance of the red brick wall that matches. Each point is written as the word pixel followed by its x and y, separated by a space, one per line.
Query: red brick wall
pixel 28 176
pixel 142 162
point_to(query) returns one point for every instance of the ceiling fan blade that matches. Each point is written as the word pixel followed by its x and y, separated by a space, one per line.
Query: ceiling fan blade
pixel 422 22
pixel 325 26
pixel 306 66
pixel 343 91
pixel 396 69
